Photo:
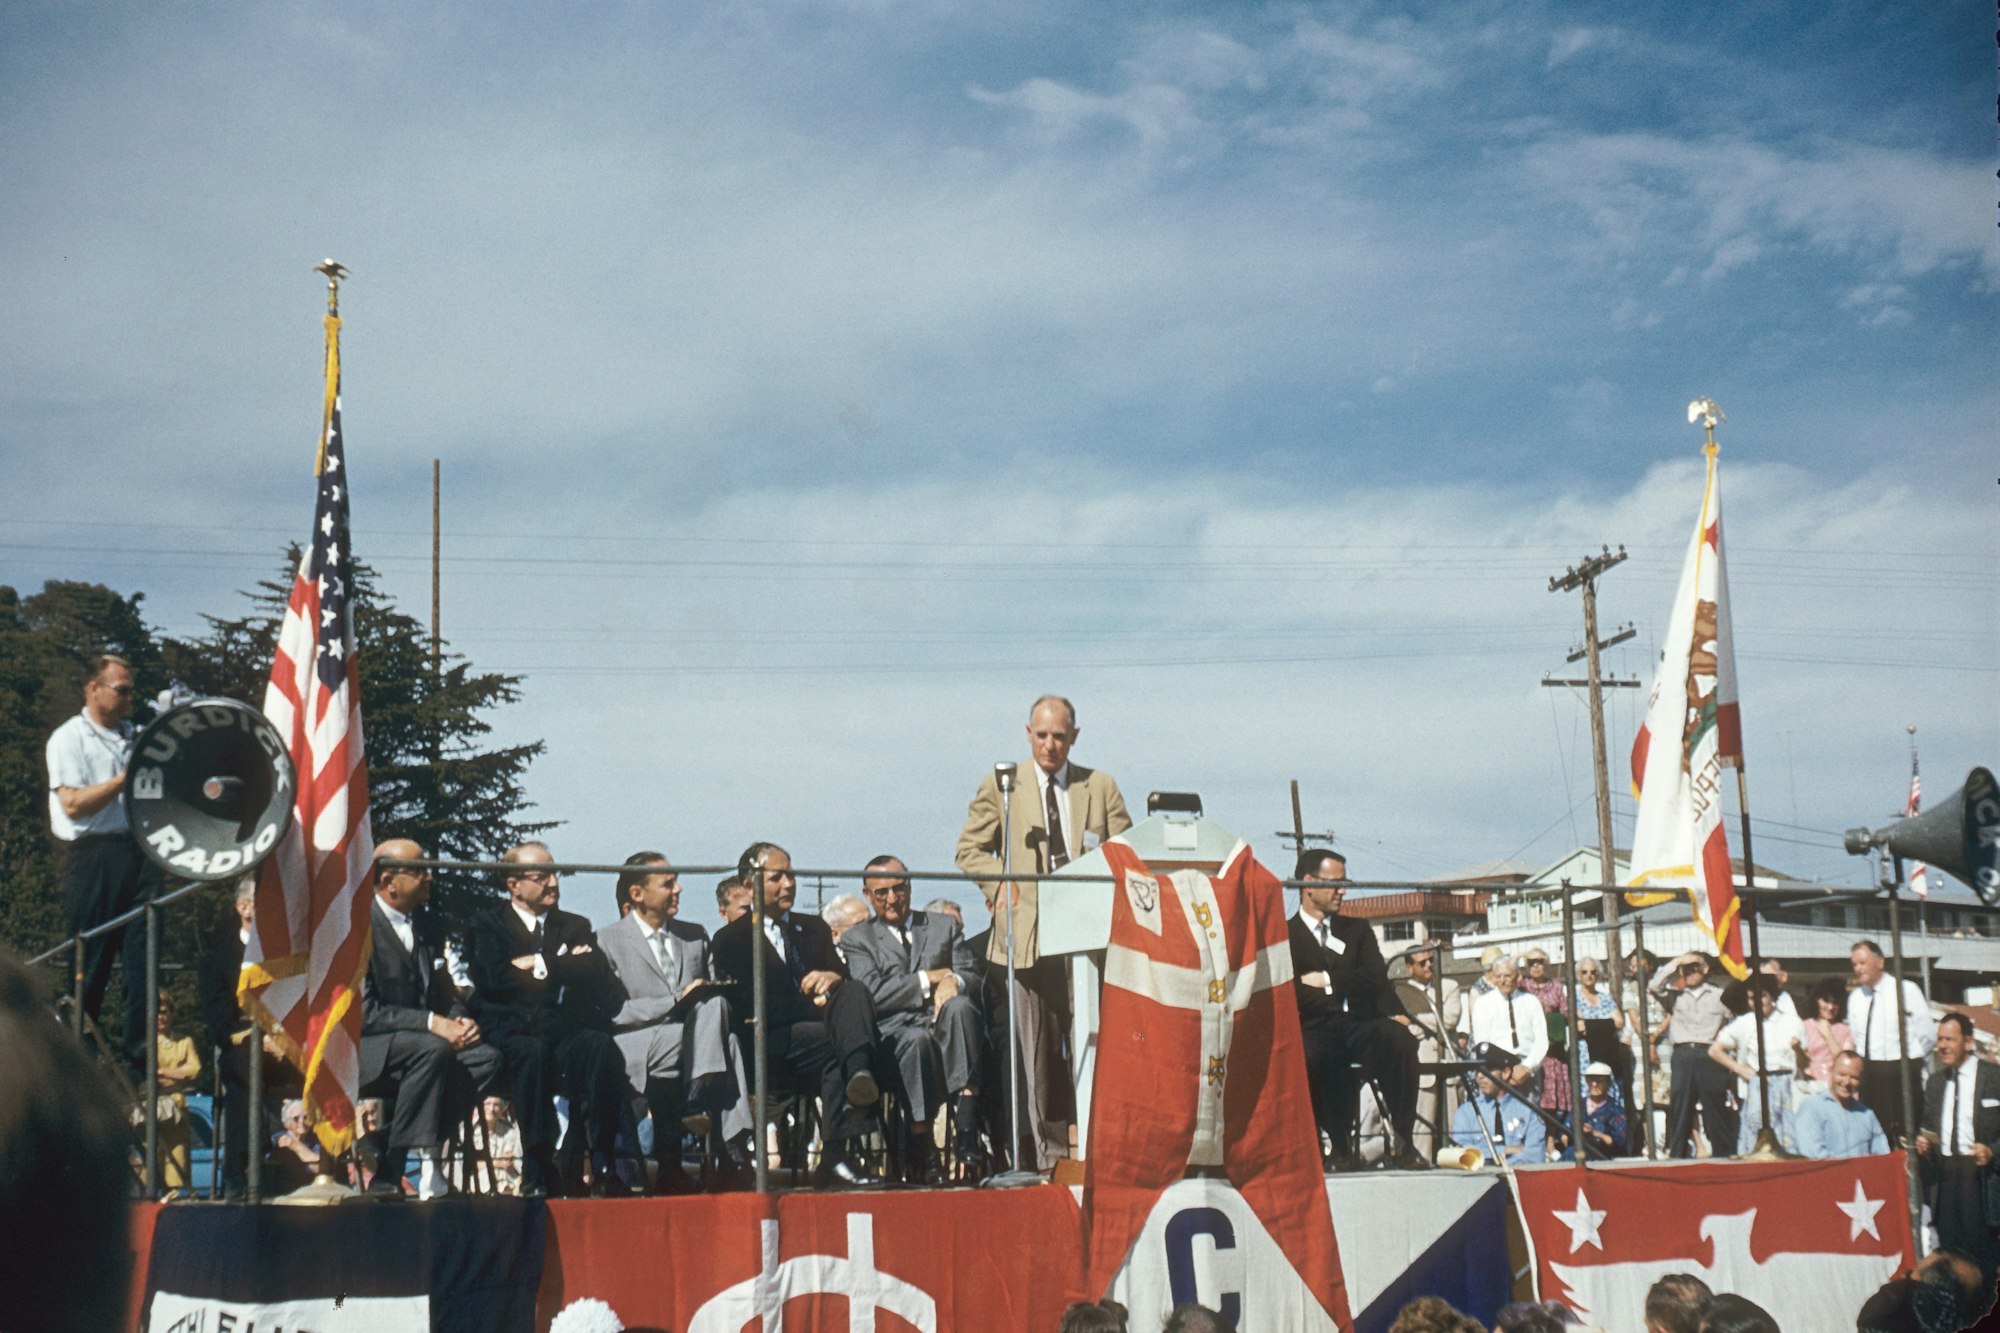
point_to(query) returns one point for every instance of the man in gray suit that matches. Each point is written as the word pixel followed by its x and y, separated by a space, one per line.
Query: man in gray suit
pixel 922 974
pixel 686 1065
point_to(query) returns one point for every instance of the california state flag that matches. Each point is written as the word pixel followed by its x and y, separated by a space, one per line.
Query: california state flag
pixel 1201 1071
pixel 1692 730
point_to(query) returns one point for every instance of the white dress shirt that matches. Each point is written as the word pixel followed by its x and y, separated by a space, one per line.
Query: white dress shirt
pixel 1871 1012
pixel 534 925
pixel 1955 1116
pixel 401 924
pixel 1518 1024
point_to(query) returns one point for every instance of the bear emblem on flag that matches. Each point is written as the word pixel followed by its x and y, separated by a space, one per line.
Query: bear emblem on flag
pixel 1201 1072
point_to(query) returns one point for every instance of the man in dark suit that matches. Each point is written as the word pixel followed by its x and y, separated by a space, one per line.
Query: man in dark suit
pixel 919 971
pixel 544 996
pixel 821 1028
pixel 417 1041
pixel 1346 1013
pixel 230 1029
pixel 1957 1144
pixel 677 1063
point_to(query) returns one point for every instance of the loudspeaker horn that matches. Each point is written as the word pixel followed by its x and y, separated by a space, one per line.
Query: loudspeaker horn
pixel 1960 836
pixel 209 790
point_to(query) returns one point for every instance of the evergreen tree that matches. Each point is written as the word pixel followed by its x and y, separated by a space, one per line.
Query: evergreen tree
pixel 428 776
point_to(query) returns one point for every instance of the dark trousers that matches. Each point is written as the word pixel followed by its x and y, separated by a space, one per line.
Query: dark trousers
pixel 824 1053
pixel 280 1080
pixel 1959 1209
pixel 1048 1100
pixel 584 1067
pixel 1881 1094
pixel 434 1085
pixel 106 875
pixel 1697 1078
pixel 1340 1055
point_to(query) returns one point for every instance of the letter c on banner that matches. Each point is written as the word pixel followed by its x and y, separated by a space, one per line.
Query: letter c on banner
pixel 1182 1228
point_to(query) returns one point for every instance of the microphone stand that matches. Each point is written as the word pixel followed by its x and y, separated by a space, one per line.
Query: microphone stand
pixel 1004 778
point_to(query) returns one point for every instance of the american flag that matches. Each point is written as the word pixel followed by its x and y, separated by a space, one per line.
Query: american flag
pixel 308 950
pixel 1919 881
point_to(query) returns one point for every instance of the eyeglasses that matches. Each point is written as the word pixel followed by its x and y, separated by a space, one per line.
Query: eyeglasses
pixel 120 690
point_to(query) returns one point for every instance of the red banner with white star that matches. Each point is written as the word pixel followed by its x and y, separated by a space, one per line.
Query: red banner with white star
pixel 1809 1241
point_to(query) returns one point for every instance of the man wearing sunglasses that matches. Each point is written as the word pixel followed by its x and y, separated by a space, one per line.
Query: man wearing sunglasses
pixel 104 873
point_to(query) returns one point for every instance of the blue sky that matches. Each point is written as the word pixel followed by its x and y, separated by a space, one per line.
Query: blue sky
pixel 816 384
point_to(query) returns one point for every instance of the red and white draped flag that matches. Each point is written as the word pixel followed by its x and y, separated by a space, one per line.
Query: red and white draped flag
pixel 1200 1065
pixel 308 950
pixel 1809 1241
pixel 1920 883
pixel 1692 730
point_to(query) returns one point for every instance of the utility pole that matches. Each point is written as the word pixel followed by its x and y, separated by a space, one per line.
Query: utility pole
pixel 1298 837
pixel 437 546
pixel 1584 575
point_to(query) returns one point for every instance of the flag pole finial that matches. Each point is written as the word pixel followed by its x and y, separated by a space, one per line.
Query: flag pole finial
pixel 334 271
pixel 1708 414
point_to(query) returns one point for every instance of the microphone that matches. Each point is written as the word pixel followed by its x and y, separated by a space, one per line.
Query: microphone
pixel 1004 774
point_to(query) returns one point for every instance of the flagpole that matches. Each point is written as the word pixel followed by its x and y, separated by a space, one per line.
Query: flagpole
pixel 1766 1145
pixel 1923 899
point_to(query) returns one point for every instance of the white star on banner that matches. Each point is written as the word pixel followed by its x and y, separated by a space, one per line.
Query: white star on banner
pixel 1861 1214
pixel 1583 1224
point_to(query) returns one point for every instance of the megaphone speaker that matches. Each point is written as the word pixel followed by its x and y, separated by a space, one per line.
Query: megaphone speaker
pixel 1960 836
pixel 209 790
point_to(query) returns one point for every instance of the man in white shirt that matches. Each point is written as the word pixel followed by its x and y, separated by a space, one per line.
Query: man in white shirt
pixel 1511 1020
pixel 104 873
pixel 1883 1016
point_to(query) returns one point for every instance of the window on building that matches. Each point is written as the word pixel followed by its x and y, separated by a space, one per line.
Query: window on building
pixel 1407 930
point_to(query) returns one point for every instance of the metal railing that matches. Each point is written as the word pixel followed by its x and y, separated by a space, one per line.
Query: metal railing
pixel 1567 892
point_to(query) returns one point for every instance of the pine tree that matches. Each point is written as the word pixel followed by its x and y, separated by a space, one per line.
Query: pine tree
pixel 429 778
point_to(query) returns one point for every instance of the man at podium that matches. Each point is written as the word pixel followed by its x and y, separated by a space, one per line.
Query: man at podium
pixel 1054 808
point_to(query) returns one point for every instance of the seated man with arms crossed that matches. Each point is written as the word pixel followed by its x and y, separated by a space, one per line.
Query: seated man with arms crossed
pixel 674 1062
pixel 920 972
pixel 544 996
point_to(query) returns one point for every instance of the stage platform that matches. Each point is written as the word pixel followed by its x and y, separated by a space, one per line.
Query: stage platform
pixel 1011 1259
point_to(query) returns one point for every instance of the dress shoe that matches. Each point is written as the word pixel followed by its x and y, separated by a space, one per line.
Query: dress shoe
pixel 846 1171
pixel 862 1090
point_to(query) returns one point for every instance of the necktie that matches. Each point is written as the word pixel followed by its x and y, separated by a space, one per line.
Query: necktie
pixel 667 968
pixel 1951 1135
pixel 1868 1030
pixel 538 934
pixel 1325 933
pixel 1058 843
pixel 903 937
pixel 1513 1027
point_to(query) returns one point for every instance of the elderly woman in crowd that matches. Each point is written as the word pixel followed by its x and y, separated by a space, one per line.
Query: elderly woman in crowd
pixel 1554 999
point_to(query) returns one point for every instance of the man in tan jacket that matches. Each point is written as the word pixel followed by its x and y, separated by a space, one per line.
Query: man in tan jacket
pixel 1055 807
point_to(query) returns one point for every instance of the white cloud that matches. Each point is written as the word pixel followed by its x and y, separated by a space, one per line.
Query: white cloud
pixel 1903 213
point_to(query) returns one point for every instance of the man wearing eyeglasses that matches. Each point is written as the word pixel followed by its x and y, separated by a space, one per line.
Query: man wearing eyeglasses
pixel 104 872
pixel 920 972
pixel 544 997
pixel 1347 1009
